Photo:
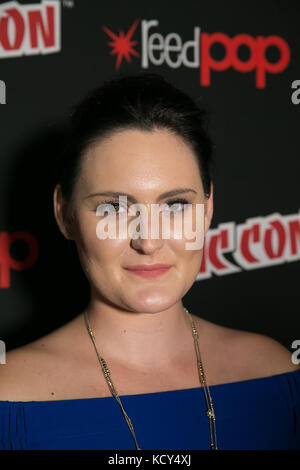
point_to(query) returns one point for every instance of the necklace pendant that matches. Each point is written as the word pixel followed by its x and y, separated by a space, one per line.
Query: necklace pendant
pixel 210 412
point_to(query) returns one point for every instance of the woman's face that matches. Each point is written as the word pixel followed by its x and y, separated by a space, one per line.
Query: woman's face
pixel 143 165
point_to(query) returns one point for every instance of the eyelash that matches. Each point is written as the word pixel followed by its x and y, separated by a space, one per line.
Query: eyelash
pixel 171 201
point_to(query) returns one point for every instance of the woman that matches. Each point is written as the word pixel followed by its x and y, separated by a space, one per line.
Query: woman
pixel 142 137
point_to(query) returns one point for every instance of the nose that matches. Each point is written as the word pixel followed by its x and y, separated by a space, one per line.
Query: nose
pixel 144 243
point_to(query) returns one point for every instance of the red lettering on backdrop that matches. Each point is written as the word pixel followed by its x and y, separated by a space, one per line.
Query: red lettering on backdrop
pixel 215 240
pixel 16 18
pixel 7 262
pixel 257 59
pixel 203 261
pixel 36 22
pixel 247 234
pixel 25 30
pixel 277 228
pixel 294 228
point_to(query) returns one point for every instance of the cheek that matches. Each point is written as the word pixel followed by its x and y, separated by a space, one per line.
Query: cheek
pixel 104 252
pixel 189 224
pixel 97 254
pixel 190 258
pixel 188 263
pixel 188 231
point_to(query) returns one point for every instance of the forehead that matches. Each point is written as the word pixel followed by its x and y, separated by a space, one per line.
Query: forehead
pixel 139 158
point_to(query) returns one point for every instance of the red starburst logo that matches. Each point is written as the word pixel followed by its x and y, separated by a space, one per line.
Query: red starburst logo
pixel 122 44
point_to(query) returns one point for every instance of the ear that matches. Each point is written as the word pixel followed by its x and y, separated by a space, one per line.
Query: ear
pixel 60 213
pixel 209 209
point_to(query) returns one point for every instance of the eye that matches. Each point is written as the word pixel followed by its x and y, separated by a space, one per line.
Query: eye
pixel 176 202
pixel 109 204
pixel 115 204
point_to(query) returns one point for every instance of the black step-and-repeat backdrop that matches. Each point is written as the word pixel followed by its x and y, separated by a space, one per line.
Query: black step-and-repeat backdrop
pixel 239 60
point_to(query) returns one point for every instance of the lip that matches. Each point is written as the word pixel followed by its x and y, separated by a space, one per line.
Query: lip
pixel 151 271
pixel 148 267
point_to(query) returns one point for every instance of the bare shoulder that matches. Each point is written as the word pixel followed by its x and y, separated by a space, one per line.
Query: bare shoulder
pixel 19 370
pixel 243 355
pixel 266 355
pixel 32 371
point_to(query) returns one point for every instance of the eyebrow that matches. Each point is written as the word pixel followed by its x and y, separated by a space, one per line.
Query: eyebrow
pixel 174 192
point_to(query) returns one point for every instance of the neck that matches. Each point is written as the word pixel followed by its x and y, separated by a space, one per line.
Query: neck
pixel 140 339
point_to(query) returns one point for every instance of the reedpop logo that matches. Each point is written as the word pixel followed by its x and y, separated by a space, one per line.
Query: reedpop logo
pixel 170 50
pixel 107 227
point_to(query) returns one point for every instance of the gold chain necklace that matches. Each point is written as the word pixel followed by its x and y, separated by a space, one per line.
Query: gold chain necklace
pixel 210 409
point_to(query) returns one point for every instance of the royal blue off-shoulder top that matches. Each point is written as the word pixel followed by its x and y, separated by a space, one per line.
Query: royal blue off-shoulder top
pixel 262 413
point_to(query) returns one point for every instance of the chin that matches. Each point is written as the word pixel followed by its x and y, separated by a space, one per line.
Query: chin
pixel 154 308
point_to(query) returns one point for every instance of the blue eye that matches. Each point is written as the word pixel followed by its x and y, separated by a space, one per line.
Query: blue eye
pixel 112 203
pixel 172 202
pixel 176 202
